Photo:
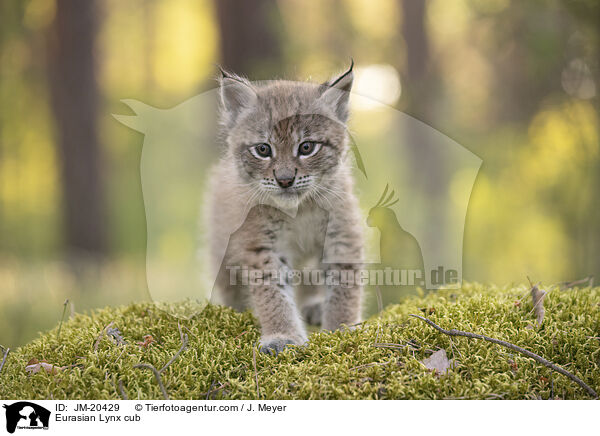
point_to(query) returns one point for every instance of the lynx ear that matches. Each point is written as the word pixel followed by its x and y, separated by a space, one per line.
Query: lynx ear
pixel 237 94
pixel 336 93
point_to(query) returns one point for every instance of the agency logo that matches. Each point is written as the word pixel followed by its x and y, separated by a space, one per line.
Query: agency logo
pixel 26 415
pixel 412 183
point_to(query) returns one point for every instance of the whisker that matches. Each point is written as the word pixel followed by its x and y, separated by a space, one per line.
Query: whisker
pixel 331 191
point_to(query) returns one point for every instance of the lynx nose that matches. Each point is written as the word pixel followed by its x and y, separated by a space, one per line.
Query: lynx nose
pixel 285 178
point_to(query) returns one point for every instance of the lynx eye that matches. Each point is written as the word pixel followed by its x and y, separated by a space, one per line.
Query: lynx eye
pixel 308 148
pixel 261 151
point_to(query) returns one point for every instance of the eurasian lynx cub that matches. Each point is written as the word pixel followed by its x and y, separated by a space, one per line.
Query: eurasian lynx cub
pixel 285 176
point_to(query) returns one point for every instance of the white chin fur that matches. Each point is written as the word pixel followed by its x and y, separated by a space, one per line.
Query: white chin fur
pixel 284 201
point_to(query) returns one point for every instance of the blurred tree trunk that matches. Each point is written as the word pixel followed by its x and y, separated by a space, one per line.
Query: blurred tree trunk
pixel 417 57
pixel 421 84
pixel 585 246
pixel 74 99
pixel 250 36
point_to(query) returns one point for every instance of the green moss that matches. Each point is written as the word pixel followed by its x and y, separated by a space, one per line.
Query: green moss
pixel 340 365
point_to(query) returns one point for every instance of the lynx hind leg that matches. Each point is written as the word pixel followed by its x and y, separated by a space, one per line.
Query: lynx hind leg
pixel 313 313
pixel 229 291
pixel 311 296
pixel 311 300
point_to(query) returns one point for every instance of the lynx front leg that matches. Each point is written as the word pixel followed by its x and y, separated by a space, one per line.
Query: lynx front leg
pixel 343 303
pixel 344 256
pixel 274 305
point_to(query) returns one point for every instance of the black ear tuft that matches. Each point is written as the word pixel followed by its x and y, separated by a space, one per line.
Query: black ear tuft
pixel 222 71
pixel 336 81
pixel 344 80
pixel 336 92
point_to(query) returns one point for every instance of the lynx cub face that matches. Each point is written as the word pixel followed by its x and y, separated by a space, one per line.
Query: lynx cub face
pixel 285 149
pixel 287 139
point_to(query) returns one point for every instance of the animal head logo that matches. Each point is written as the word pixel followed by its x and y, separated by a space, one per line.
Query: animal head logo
pixel 24 414
pixel 432 176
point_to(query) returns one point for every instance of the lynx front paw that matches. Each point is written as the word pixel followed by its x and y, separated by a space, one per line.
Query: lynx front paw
pixel 274 346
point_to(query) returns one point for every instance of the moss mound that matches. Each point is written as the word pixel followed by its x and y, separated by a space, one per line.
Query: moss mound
pixel 219 359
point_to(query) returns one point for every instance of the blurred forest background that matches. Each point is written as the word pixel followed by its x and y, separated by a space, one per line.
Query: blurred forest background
pixel 515 82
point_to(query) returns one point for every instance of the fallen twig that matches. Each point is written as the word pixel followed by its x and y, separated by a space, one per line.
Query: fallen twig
pixel 239 336
pixel 212 391
pixel 122 390
pixel 101 335
pixel 4 357
pixel 212 384
pixel 388 345
pixel 368 365
pixel 189 331
pixel 61 319
pixel 453 347
pixel 120 354
pixel 567 285
pixel 491 396
pixel 156 375
pixel 377 335
pixel 540 359
pixel 184 343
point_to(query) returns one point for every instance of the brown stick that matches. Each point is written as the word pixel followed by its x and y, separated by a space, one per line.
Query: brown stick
pixel 62 319
pixel 368 365
pixel 4 358
pixel 101 335
pixel 212 391
pixel 122 390
pixel 157 375
pixel 387 345
pixel 567 285
pixel 184 343
pixel 540 359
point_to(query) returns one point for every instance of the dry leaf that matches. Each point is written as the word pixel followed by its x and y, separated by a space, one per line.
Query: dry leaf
pixel 438 362
pixel 35 365
pixel 148 340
